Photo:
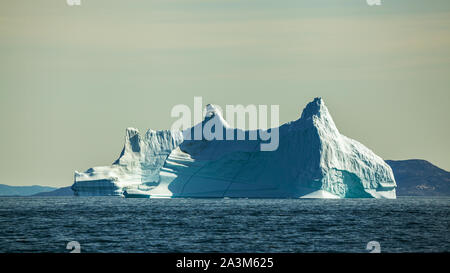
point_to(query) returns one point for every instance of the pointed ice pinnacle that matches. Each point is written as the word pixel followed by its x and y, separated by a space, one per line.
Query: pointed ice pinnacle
pixel 213 111
pixel 314 108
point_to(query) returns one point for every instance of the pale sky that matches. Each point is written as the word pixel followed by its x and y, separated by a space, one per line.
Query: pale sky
pixel 72 78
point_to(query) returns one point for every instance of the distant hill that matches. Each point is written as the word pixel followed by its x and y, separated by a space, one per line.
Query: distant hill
pixel 65 191
pixel 420 178
pixel 6 190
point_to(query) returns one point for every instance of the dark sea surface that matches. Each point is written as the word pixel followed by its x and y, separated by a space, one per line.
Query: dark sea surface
pixel 115 224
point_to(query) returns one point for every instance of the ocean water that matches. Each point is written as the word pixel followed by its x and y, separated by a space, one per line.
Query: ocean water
pixel 115 224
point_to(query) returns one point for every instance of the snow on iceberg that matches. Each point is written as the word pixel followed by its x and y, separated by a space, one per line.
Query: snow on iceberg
pixel 313 160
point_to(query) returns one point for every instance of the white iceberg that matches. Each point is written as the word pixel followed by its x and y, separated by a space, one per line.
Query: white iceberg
pixel 313 160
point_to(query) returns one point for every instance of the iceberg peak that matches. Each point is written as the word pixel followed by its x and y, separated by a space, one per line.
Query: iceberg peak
pixel 214 112
pixel 315 108
pixel 130 132
pixel 132 140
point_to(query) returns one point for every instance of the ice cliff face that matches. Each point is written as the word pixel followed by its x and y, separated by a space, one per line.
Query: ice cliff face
pixel 313 160
pixel 138 164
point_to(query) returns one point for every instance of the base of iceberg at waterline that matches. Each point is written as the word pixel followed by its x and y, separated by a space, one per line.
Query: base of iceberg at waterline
pixel 320 194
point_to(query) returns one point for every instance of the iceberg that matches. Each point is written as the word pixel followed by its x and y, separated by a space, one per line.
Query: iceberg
pixel 313 160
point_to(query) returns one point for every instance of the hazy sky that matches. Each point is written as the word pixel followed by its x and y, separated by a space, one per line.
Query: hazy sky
pixel 73 78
